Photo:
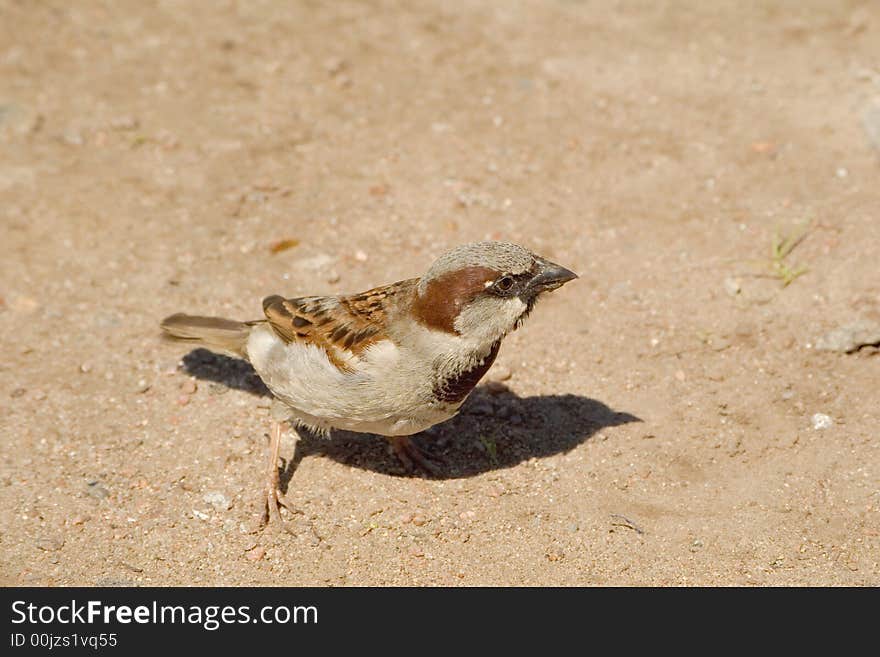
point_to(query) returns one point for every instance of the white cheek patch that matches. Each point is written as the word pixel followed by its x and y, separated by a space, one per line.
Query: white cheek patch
pixel 489 319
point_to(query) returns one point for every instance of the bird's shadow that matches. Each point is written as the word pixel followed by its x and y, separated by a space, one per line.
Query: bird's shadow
pixel 495 428
pixel 230 372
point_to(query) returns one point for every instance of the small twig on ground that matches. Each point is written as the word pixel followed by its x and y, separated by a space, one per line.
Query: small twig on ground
pixel 629 524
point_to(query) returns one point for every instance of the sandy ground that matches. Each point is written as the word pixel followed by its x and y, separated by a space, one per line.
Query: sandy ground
pixel 659 423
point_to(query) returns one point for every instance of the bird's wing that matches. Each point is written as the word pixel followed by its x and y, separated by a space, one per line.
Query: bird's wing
pixel 342 326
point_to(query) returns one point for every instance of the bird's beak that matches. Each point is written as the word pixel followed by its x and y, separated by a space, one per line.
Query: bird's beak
pixel 550 276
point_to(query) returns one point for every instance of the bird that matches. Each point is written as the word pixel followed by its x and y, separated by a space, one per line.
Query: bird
pixel 391 361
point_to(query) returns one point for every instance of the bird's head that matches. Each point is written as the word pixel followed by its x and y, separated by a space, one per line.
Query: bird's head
pixel 484 290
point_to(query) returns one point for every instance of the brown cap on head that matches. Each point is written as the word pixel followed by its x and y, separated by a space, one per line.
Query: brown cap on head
pixel 503 257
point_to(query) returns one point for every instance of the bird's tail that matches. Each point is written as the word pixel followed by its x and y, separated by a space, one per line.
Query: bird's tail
pixel 214 333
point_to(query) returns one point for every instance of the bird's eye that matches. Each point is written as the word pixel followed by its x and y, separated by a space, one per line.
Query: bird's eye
pixel 504 284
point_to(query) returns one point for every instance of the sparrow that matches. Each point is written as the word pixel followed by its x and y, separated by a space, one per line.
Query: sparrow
pixel 393 360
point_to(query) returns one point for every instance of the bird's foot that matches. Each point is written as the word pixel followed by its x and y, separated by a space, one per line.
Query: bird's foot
pixel 272 501
pixel 412 456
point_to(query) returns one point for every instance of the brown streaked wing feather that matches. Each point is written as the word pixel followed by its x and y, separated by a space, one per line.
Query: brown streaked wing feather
pixel 336 324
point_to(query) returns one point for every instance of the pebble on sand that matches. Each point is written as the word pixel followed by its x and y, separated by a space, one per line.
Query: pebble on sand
pixel 871 123
pixel 125 123
pixel 850 337
pixel 732 286
pixel 256 554
pixel 96 490
pixel 496 387
pixel 50 543
pixel 821 421
pixel 500 373
pixel 217 500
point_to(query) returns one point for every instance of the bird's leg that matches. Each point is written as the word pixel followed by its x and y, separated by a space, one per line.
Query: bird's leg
pixel 273 480
pixel 271 512
pixel 410 454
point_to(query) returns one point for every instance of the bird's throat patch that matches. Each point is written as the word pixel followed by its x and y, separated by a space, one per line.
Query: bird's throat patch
pixel 455 389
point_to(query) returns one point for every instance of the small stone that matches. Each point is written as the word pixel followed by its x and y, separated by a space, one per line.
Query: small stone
pixel 18 392
pixel 418 520
pixel 495 491
pixel 256 553
pixel 125 123
pixel 188 387
pixel 201 515
pixel 680 375
pixel 500 373
pixel 732 286
pixel 183 400
pixel 97 490
pixel 22 304
pixel 360 256
pixel 78 520
pixel 496 387
pixel 72 137
pixel 315 262
pixel 333 277
pixel 218 389
pixel 821 421
pixel 217 500
pixel 50 543
pixel 20 120
pixel 416 551
pixel 858 22
pixel 334 65
pixel 85 368
pixel 871 123
pixel 132 568
pixel 850 337
pixel 764 147
pixel 555 556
